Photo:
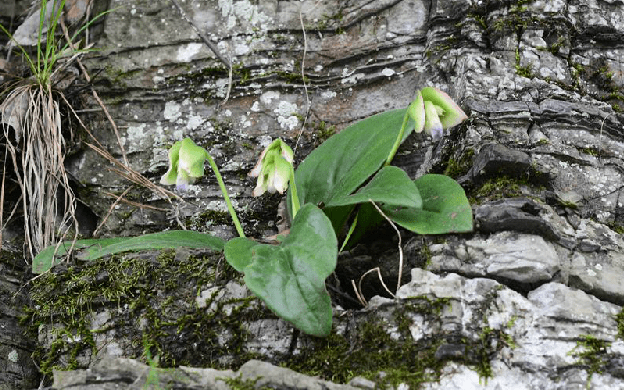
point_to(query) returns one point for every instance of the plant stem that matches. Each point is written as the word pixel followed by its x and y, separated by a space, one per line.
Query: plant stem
pixel 351 229
pixel 397 143
pixel 239 229
pixel 293 193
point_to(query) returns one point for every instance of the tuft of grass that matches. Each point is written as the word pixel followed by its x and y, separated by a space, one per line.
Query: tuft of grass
pixel 34 137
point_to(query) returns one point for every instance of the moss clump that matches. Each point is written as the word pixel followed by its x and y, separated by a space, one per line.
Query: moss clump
pixel 591 352
pixel 292 77
pixel 619 229
pixel 208 218
pixel 322 131
pixel 372 350
pixel 238 383
pixel 158 292
pixel 498 188
pixel 459 167
pixel 523 71
pixel 619 318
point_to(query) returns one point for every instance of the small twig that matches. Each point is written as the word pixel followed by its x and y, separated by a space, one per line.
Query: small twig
pixel 203 36
pixel 110 211
pixel 96 96
pixel 358 295
pixel 227 93
pixel 400 249
pixel 358 290
pixel 136 204
pixel 305 86
pixel 2 196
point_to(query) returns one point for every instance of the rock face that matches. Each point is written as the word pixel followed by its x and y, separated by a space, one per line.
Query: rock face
pixel 532 299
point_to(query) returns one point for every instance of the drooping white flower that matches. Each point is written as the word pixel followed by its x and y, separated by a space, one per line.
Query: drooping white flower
pixel 186 164
pixel 273 169
pixel 434 111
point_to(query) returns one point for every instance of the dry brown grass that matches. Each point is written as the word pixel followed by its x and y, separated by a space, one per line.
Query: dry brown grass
pixel 36 145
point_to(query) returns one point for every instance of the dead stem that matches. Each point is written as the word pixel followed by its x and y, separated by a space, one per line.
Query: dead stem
pixel 358 290
pixel 399 244
pixel 37 152
pixel 95 95
pixel 203 36
pixel 305 87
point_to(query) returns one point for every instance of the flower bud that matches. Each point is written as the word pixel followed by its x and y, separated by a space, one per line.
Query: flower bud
pixel 186 164
pixel 273 169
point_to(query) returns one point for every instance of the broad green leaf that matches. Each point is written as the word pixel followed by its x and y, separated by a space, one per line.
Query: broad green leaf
pixel 290 277
pixel 92 249
pixel 346 160
pixel 238 252
pixel 390 186
pixel 445 208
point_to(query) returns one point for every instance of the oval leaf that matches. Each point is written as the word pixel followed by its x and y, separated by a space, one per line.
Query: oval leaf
pixel 390 186
pixel 346 160
pixel 445 208
pixel 91 249
pixel 290 277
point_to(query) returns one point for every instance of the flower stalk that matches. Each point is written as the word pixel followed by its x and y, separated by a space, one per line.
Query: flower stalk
pixel 186 165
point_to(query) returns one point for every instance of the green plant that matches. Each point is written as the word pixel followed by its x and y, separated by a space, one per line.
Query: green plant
pixel 590 352
pixel 37 145
pixel 338 180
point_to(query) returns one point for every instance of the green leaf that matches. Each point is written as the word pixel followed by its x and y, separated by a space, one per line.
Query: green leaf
pixel 390 186
pixel 92 249
pixel 238 252
pixel 290 277
pixel 346 160
pixel 445 208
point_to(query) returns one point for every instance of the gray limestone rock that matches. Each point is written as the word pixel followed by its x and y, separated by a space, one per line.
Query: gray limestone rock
pixel 130 374
pixel 532 299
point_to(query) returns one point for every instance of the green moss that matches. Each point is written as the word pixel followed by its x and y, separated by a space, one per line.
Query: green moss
pixel 480 20
pixel 156 292
pixel 372 349
pixel 568 204
pixel 523 71
pixel 456 168
pixel 592 353
pixel 619 318
pixel 590 150
pixel 292 77
pixel 118 76
pixel 426 253
pixel 243 74
pixel 323 132
pixel 499 187
pixel 238 383
pixel 208 218
pixel 619 229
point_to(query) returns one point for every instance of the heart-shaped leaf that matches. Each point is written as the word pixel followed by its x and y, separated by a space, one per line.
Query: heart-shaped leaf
pixel 445 208
pixel 390 186
pixel 290 277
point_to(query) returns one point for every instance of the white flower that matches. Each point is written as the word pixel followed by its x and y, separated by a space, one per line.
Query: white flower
pixel 186 164
pixel 273 169
pixel 434 111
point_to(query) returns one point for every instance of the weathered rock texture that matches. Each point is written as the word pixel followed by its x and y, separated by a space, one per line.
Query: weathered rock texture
pixel 531 300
